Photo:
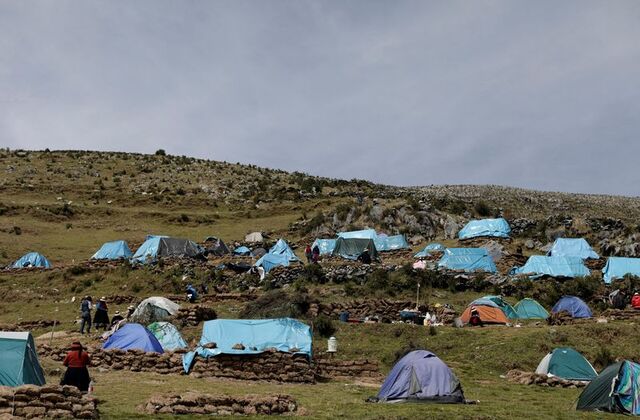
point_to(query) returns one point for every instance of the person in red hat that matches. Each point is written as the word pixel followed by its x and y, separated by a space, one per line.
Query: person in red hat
pixel 76 362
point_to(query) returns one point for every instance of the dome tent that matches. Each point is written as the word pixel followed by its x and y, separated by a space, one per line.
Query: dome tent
pixel 566 363
pixel 422 377
pixel 530 309
pixel 113 251
pixel 154 309
pixel 32 259
pixel 133 337
pixel 19 363
pixel 168 335
pixel 501 303
pixel 574 306
pixel 616 389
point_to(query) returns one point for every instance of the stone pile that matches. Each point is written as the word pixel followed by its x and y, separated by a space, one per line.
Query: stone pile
pixel 193 403
pixel 532 378
pixel 194 315
pixel 51 401
pixel 383 308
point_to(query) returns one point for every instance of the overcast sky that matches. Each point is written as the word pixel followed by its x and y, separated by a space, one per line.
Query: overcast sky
pixel 538 94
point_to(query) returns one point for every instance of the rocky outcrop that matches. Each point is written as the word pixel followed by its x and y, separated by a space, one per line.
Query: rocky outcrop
pixel 193 403
pixel 51 401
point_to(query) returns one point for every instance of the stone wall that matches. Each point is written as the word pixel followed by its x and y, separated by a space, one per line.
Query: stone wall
pixel 54 401
pixel 196 403
pixel 193 315
pixel 383 308
pixel 328 367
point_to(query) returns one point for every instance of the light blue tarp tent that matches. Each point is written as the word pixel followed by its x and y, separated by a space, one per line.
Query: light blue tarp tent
pixel 618 267
pixel 540 265
pixel 497 228
pixel 270 261
pixel 282 248
pixel 163 246
pixel 574 306
pixel 391 243
pixel 133 337
pixel 530 309
pixel 168 336
pixel 572 247
pixel 359 234
pixel 256 335
pixel 19 363
pixel 326 246
pixel 242 250
pixel 421 376
pixel 434 247
pixel 149 249
pixel 467 259
pixel 113 251
pixel 32 259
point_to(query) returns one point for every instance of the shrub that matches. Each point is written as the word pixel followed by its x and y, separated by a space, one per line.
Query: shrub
pixel 324 326
pixel 161 152
pixel 603 358
pixel 482 209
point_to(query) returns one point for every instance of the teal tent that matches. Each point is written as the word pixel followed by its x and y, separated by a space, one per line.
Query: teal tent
pixel 113 251
pixel 351 248
pixel 540 265
pixel 19 363
pixel 468 260
pixel 566 363
pixel 572 247
pixel 498 302
pixel 616 389
pixel 168 336
pixel 618 267
pixel 530 309
pixel 495 228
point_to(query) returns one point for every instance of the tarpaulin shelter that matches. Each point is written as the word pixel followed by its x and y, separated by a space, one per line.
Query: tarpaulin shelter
pixel 359 234
pixel 496 228
pixel 162 246
pixel 19 363
pixel 351 248
pixel 572 247
pixel 216 246
pixel 566 363
pixel 421 376
pixel 616 390
pixel 467 259
pixel 429 249
pixel 168 335
pixel 32 259
pixel 618 267
pixel 270 261
pixel 114 250
pixel 133 337
pixel 574 306
pixel 391 243
pixel 256 335
pixel 530 309
pixel 154 309
pixel 282 248
pixel 242 251
pixel 540 265
pixel 326 246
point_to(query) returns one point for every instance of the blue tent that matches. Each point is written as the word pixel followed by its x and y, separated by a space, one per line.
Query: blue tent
pixel 326 246
pixel 391 243
pixel 270 261
pixel 421 376
pixel 572 247
pixel 256 335
pixel 618 267
pixel 133 337
pixel 434 247
pixel 574 305
pixel 163 246
pixel 539 265
pixel 467 259
pixel 359 234
pixel 113 251
pixel 32 259
pixel 282 248
pixel 19 363
pixel 149 249
pixel 497 228
pixel 242 250
pixel 168 335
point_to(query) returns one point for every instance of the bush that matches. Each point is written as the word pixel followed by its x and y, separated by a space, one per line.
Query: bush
pixel 161 152
pixel 277 304
pixel 603 358
pixel 324 326
pixel 314 274
pixel 482 209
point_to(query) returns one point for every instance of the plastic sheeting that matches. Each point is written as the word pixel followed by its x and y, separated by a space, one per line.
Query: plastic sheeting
pixel 467 259
pixel 113 251
pixel 257 335
pixel 359 234
pixel 154 309
pixel 282 248
pixel 572 247
pixel 133 337
pixel 32 259
pixel 163 246
pixel 326 246
pixel 271 261
pixel 351 248
pixel 242 250
pixel 539 265
pixel 19 363
pixel 434 247
pixel 391 243
pixel 574 306
pixel 618 267
pixel 497 228
pixel 168 335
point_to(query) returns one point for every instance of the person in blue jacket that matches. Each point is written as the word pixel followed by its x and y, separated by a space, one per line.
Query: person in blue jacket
pixel 192 294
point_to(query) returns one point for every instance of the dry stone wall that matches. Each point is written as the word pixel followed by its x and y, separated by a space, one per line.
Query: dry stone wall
pixel 193 403
pixel 51 401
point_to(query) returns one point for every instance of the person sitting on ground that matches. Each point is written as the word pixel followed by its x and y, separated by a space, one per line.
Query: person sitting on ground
pixel 130 310
pixel 365 258
pixel 85 314
pixel 315 254
pixel 474 319
pixel 192 294
pixel 635 301
pixel 101 318
pixel 116 318
pixel 309 254
pixel 76 363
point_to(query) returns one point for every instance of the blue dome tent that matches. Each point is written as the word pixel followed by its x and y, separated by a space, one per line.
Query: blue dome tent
pixel 574 306
pixel 133 337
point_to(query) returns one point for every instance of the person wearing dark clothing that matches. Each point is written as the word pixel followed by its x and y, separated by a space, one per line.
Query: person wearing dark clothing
pixel 315 254
pixel 365 258
pixel 192 294
pixel 101 318
pixel 130 310
pixel 474 319
pixel 85 314
pixel 76 363
pixel 116 318
pixel 309 254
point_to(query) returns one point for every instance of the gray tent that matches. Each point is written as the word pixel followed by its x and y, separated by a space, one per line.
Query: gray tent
pixel 351 248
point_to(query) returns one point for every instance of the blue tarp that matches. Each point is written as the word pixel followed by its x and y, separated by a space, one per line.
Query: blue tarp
pixel 133 337
pixel 497 228
pixel 148 250
pixel 428 249
pixel 539 265
pixel 32 259
pixel 572 247
pixel 421 375
pixel 256 335
pixel 467 259
pixel 113 251
pixel 326 246
pixel 618 267
pixel 242 250
pixel 574 305
pixel 391 243
pixel 168 336
pixel 282 248
pixel 270 261
pixel 359 234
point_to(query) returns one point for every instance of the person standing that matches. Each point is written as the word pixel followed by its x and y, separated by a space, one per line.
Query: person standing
pixel 85 313
pixel 316 254
pixel 76 363
pixel 101 318
pixel 308 254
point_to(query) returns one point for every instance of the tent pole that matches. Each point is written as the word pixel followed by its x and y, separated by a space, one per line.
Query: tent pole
pixel 52 329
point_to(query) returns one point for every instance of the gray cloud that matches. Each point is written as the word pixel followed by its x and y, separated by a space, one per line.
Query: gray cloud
pixel 536 94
